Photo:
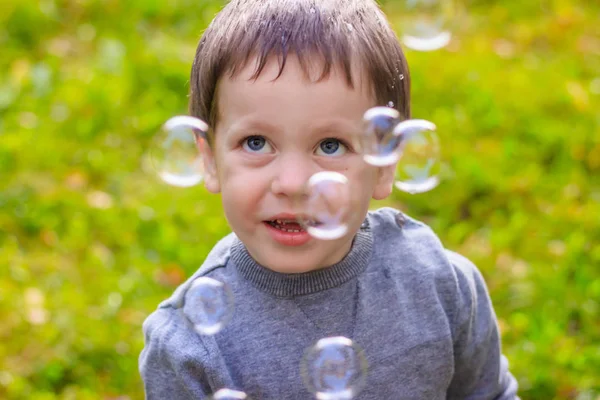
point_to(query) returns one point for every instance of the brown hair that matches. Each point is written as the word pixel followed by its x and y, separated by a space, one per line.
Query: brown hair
pixel 341 32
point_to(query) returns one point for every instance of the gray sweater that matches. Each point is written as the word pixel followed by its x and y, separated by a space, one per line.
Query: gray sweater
pixel 421 313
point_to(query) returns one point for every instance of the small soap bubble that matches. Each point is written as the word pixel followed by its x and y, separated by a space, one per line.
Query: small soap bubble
pixel 419 166
pixel 208 305
pixel 378 142
pixel 228 394
pixel 425 24
pixel 174 153
pixel 325 210
pixel 335 368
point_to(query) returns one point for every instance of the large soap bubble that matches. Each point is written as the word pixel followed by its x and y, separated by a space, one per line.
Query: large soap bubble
pixel 425 24
pixel 335 368
pixel 325 210
pixel 378 142
pixel 208 305
pixel 174 153
pixel 419 166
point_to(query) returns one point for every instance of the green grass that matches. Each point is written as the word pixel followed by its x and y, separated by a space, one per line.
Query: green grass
pixel 90 243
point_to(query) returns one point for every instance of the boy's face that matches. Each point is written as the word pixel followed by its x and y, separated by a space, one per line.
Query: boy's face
pixel 271 136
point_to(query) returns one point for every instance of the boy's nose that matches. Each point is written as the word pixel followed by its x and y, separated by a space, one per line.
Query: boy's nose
pixel 291 176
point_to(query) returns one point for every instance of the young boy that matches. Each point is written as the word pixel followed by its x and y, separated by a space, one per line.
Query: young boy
pixel 284 85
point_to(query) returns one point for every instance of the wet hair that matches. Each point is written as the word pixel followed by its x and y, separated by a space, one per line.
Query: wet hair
pixel 341 33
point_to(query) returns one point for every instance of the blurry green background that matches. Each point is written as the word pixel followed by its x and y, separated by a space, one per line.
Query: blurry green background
pixel 90 243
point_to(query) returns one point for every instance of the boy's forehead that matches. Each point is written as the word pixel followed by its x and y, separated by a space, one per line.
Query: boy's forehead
pixel 294 84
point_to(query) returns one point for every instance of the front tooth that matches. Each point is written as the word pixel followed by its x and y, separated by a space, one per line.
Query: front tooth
pixel 278 221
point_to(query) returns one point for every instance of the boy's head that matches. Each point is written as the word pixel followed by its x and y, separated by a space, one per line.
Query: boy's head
pixel 284 85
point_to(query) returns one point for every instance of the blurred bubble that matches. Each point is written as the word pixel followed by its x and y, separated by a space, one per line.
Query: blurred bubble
pixel 325 210
pixel 424 24
pixel 174 151
pixel 86 32
pixel 100 200
pixel 28 120
pixel 127 283
pixel 228 394
pixel 8 94
pixel 59 112
pixel 146 213
pixel 208 305
pixel 114 300
pixel 60 47
pixel 378 142
pixel 419 166
pixel 36 312
pixel 6 378
pixel 41 79
pixel 34 297
pixel 48 7
pixel 111 55
pixel 595 86
pixel 334 368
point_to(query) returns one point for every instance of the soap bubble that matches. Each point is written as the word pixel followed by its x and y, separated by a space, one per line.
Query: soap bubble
pixel 378 142
pixel 325 209
pixel 228 394
pixel 425 24
pixel 335 368
pixel 419 166
pixel 208 305
pixel 174 153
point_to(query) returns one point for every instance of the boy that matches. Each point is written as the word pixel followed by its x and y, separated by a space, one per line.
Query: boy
pixel 284 85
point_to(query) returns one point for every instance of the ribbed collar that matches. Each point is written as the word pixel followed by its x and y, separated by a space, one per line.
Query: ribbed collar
pixel 289 285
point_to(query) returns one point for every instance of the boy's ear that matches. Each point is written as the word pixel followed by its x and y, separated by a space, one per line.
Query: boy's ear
pixel 385 181
pixel 211 177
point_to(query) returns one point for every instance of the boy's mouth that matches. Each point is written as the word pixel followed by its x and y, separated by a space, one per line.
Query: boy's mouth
pixel 286 225
pixel 287 231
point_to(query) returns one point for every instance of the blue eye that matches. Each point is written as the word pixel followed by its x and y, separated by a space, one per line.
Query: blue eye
pixel 256 144
pixel 331 147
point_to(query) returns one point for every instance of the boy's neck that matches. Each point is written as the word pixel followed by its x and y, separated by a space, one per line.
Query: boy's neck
pixel 290 285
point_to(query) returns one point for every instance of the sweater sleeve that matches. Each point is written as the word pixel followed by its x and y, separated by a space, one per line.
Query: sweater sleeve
pixel 171 362
pixel 480 370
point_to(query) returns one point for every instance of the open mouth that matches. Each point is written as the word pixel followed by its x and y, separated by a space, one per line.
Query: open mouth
pixel 290 226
